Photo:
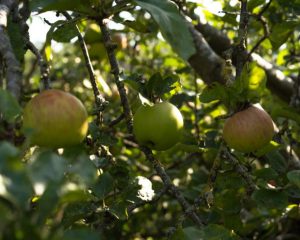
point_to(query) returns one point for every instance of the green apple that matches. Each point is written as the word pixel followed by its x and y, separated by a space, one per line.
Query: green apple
pixel 55 119
pixel 159 126
pixel 248 130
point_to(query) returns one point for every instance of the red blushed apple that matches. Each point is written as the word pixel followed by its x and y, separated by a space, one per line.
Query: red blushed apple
pixel 55 119
pixel 248 130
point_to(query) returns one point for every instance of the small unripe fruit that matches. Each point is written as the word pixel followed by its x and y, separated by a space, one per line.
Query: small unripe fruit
pixel 159 126
pixel 248 130
pixel 56 119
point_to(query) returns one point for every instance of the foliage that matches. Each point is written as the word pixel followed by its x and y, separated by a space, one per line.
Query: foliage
pixel 105 188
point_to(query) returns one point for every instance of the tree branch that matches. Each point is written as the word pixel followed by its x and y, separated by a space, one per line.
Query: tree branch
pixel 241 55
pixel 110 47
pixel 210 69
pixel 240 169
pixel 13 67
pixel 99 99
pixel 278 83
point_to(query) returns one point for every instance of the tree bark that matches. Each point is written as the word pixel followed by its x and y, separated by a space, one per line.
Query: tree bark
pixel 209 70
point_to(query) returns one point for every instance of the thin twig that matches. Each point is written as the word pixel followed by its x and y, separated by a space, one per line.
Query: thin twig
pixel 197 133
pixel 110 47
pixel 33 65
pixel 44 67
pixel 242 39
pixel 215 168
pixel 99 99
pixel 117 120
pixel 21 17
pixel 266 29
pixel 240 169
pixel 188 209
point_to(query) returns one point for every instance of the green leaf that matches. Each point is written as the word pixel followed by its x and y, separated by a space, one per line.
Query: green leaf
pixel 8 154
pixel 80 6
pixel 14 182
pixel 9 106
pixel 266 174
pixel 76 211
pixel 254 3
pixel 6 216
pixel 119 210
pixel 82 169
pixel 210 232
pixel 158 86
pixel 213 92
pixel 137 26
pixel 271 146
pixel 104 185
pixel 191 233
pixel 172 25
pixel 281 32
pixel 17 187
pixel 229 180
pixel 46 168
pixel 241 84
pixel 16 39
pixel 277 161
pixel 270 199
pixel 65 32
pixel 294 177
pixel 103 138
pixel 81 234
pixel 216 232
pixel 228 201
pixel 48 202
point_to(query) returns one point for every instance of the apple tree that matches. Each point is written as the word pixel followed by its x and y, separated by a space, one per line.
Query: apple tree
pixel 150 119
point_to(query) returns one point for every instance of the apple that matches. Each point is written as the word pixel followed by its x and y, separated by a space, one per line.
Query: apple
pixel 159 126
pixel 248 130
pixel 56 119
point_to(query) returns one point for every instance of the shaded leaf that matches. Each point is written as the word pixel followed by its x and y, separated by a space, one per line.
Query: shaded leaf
pixel 281 32
pixel 47 167
pixel 65 32
pixel 81 234
pixel 270 199
pixel 210 232
pixel 213 93
pixel 9 106
pixel 172 25
pixel 294 177
pixel 119 210
pixel 104 185
pixel 277 161
pixel 81 6
pixel 16 39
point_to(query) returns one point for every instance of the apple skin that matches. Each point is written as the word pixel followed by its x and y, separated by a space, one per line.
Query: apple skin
pixel 159 126
pixel 248 130
pixel 56 118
